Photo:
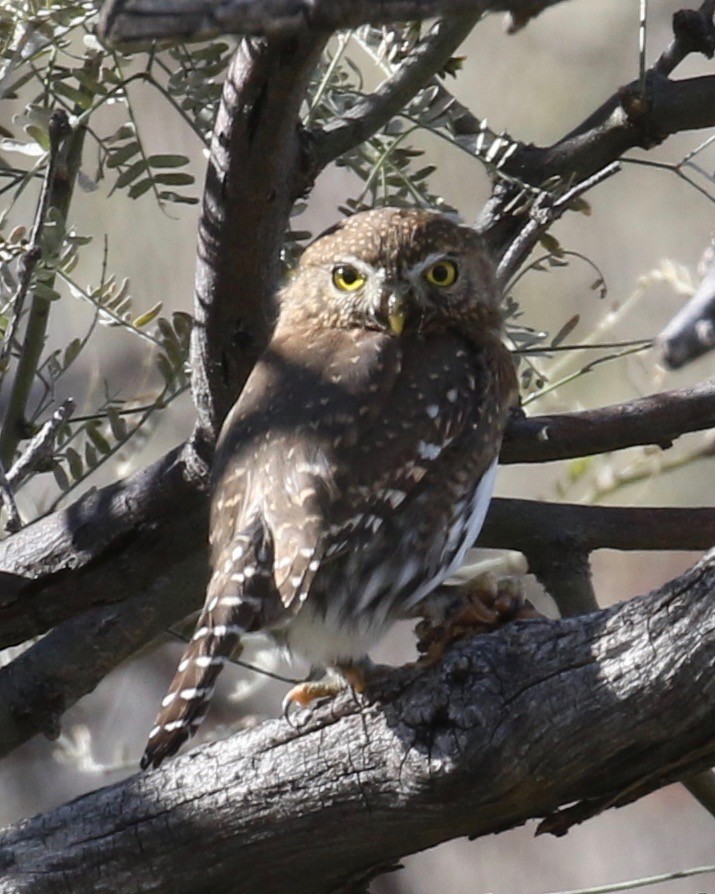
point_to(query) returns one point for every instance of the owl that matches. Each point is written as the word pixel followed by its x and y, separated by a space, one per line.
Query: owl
pixel 356 468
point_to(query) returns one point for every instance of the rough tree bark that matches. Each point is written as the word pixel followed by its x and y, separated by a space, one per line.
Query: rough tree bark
pixel 465 748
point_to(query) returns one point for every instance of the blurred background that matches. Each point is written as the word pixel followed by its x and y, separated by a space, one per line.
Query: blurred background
pixel 646 232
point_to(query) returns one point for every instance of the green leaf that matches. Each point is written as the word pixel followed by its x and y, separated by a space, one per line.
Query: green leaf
pixel 167 161
pixel 74 461
pixel 72 352
pixel 147 317
pixel 177 198
pixel 175 179
pixel 98 439
pixel 90 455
pixel 138 189
pixel 117 424
pixel 118 156
pixel 60 476
pixel 551 244
pixel 131 173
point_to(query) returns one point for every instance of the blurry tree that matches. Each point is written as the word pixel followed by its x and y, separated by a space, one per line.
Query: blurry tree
pixel 498 732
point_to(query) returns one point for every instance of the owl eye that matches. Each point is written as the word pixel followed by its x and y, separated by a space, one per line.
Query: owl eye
pixel 442 274
pixel 347 278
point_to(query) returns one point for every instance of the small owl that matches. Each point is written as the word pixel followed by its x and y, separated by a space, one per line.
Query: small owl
pixel 356 468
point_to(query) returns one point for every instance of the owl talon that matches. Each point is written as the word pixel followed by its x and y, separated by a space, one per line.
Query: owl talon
pixel 484 605
pixel 306 694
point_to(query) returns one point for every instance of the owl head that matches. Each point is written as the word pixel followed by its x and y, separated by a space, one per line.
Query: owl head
pixel 398 270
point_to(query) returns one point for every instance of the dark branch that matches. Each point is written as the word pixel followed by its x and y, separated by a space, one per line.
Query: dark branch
pixel 595 710
pixel 256 158
pixel 50 676
pixel 691 332
pixel 658 419
pixel 131 21
pixel 531 526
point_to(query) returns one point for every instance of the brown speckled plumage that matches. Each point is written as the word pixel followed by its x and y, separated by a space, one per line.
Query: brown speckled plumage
pixel 356 467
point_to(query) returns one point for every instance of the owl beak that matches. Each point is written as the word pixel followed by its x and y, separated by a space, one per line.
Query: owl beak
pixel 397 312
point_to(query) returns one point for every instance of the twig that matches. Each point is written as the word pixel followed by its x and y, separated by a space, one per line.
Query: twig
pixel 691 332
pixel 40 447
pixel 531 525
pixel 373 112
pixel 61 189
pixel 693 32
pixel 565 574
pixel 643 882
pixel 59 128
pixel 14 521
pixel 542 214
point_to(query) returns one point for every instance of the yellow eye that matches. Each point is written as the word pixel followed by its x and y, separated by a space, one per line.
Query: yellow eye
pixel 347 278
pixel 442 274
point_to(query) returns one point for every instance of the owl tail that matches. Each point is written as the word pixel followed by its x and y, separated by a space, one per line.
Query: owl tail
pixel 217 635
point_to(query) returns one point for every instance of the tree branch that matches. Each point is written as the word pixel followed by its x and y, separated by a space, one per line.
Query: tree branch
pixel 256 158
pixel 51 675
pixel 657 419
pixel 691 332
pixel 65 563
pixel 376 110
pixel 131 21
pixel 596 710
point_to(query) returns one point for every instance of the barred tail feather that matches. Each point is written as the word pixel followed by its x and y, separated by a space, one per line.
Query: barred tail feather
pixel 218 632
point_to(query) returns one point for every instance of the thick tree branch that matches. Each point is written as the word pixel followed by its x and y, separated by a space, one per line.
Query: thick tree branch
pixel 62 667
pixel 256 156
pixel 130 21
pixel 595 710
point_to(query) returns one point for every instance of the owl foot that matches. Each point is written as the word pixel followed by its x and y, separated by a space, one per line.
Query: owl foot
pixel 480 606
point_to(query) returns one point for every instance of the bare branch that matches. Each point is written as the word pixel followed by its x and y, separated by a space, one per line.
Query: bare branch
pixel 131 21
pixel 71 660
pixel 693 32
pixel 658 419
pixel 595 710
pixel 40 447
pixel 256 158
pixel 691 332
pixel 530 526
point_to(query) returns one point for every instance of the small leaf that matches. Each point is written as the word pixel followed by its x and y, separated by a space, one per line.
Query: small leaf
pixel 60 476
pixel 138 189
pixel 74 461
pixel 117 424
pixel 131 173
pixel 551 244
pixel 146 318
pixel 117 157
pixel 90 455
pixel 174 179
pixel 167 161
pixel 565 330
pixel 98 439
pixel 72 352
